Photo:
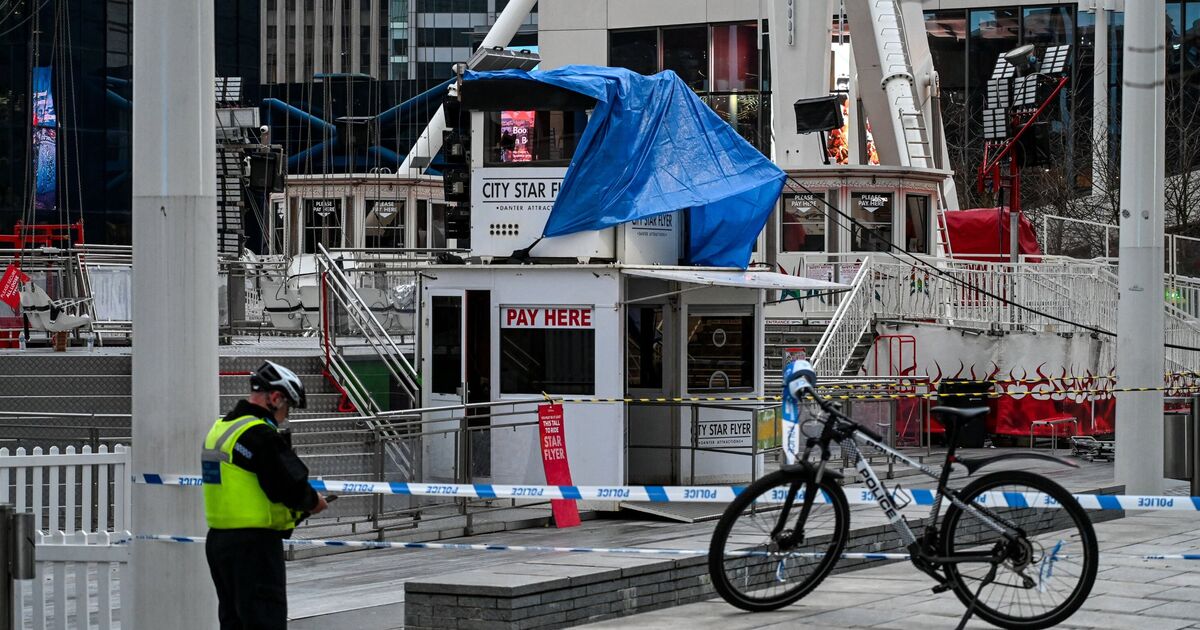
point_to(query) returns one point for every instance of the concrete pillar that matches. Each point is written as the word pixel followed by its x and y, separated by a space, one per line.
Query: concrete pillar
pixel 1140 360
pixel 800 43
pixel 174 305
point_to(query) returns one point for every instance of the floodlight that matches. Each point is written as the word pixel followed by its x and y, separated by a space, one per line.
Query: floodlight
pixel 995 124
pixel 1021 57
pixel 1054 61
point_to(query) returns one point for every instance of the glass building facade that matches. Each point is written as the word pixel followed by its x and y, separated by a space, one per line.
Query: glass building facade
pixel 436 34
pixel 88 46
pixel 966 42
pixel 724 63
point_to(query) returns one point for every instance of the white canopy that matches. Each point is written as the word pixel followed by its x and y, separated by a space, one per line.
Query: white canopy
pixel 738 278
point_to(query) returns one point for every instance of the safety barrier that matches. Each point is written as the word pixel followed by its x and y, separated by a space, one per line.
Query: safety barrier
pixel 856 495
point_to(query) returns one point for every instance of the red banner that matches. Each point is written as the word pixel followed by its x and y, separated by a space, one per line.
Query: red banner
pixel 10 286
pixel 554 460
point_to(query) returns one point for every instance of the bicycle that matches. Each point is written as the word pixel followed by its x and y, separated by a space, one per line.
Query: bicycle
pixel 1011 563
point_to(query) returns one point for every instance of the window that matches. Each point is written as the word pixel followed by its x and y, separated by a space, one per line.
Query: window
pixel 720 352
pixel 685 50
pixel 550 360
pixel 445 344
pixel 322 223
pixel 635 50
pixel 747 113
pixel 544 138
pixel 735 57
pixel 385 223
pixel 916 224
pixel 947 31
pixel 279 230
pixel 644 347
pixel 431 224
pixel 1048 26
pixel 873 214
pixel 802 223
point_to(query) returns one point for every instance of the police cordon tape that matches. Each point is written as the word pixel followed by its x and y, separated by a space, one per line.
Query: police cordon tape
pixel 900 396
pixel 374 544
pixel 855 495
pixel 914 381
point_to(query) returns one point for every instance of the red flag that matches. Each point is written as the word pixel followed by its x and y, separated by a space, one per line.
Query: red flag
pixel 10 286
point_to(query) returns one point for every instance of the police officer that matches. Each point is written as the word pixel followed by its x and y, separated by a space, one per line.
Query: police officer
pixel 255 492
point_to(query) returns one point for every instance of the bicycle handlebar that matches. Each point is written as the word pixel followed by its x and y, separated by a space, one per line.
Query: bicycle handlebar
pixel 828 408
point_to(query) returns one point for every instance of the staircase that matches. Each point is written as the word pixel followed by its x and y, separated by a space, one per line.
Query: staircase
pixel 796 333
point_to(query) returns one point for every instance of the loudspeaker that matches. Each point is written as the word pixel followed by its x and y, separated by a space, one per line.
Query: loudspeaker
pixel 456 184
pixel 454 147
pixel 1033 148
pixel 265 172
pixel 823 113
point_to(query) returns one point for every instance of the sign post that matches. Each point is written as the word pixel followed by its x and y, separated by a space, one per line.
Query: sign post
pixel 554 460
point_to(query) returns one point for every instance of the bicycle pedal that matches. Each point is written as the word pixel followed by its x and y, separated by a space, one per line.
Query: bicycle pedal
pixel 941 588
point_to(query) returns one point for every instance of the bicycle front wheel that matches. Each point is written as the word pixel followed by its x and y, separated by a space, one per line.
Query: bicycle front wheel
pixel 759 563
pixel 1046 573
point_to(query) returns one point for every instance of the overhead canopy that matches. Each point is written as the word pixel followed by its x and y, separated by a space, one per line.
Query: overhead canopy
pixel 652 147
pixel 743 279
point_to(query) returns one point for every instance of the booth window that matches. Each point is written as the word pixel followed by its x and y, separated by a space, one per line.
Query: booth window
pixel 643 347
pixel 385 223
pixel 278 227
pixel 431 224
pixel 916 224
pixel 446 344
pixel 802 222
pixel 322 224
pixel 536 138
pixel 547 360
pixel 872 212
pixel 720 353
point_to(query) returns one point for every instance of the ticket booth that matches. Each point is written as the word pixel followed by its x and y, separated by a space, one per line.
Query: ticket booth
pixel 598 337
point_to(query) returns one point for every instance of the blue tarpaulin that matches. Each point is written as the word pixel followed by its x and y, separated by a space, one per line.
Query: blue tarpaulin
pixel 653 147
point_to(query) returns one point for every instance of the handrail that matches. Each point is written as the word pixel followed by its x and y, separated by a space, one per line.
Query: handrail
pixel 372 330
pixel 851 305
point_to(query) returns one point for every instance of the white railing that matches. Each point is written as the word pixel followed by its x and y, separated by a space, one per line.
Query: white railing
pixel 84 573
pixel 81 507
pixel 853 317
pixel 68 490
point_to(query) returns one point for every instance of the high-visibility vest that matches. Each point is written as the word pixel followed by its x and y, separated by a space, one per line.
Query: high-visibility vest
pixel 232 497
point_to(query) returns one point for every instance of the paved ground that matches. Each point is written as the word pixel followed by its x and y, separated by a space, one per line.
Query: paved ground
pixel 365 589
pixel 1130 593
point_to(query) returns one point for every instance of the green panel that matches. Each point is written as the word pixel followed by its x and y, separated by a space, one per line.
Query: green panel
pixel 375 377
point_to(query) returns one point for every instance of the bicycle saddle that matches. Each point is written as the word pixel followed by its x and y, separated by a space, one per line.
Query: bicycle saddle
pixel 947 415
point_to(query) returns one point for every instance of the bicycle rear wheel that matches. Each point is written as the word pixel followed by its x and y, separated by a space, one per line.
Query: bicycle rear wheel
pixel 1046 574
pixel 756 571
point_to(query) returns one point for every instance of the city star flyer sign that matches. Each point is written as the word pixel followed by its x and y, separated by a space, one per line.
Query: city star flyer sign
pixel 730 433
pixel 517 189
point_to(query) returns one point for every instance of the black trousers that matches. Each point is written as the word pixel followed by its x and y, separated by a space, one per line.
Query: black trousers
pixel 247 569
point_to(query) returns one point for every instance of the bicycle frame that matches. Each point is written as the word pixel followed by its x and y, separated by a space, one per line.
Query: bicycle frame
pixel 849 439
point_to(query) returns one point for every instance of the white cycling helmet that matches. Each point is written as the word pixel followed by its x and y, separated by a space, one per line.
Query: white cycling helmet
pixel 274 377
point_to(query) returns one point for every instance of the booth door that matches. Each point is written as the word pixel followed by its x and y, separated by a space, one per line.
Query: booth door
pixel 653 427
pixel 445 369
